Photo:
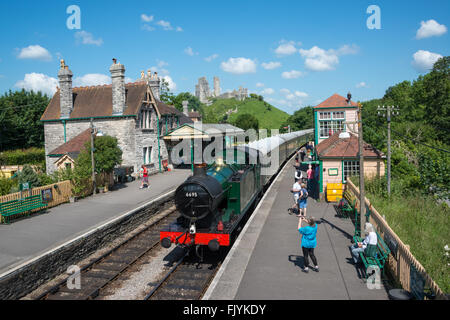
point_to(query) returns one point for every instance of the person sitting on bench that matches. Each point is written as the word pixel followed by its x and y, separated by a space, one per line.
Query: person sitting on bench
pixel 370 240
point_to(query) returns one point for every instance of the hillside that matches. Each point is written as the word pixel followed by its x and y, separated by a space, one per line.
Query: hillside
pixel 268 116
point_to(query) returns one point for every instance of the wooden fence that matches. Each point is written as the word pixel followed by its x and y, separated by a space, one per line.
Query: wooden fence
pixel 60 193
pixel 401 258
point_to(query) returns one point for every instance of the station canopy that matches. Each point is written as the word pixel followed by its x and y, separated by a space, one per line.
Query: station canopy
pixel 200 130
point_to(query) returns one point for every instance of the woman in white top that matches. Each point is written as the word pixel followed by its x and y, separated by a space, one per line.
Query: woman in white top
pixel 370 240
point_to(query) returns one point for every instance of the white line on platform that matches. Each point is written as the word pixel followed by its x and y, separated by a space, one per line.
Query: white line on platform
pixel 6 273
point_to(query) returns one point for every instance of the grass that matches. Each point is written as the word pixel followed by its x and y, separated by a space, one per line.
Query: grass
pixel 423 224
pixel 268 116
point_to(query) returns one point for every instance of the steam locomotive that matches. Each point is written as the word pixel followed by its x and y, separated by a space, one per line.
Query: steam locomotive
pixel 214 201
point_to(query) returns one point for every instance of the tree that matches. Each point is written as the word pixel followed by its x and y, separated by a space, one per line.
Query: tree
pixel 246 121
pixel 301 119
pixel 20 124
pixel 165 94
pixel 28 175
pixel 193 102
pixel 107 155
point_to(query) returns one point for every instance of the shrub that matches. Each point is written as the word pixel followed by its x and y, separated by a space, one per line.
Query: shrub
pixel 21 157
pixel 6 185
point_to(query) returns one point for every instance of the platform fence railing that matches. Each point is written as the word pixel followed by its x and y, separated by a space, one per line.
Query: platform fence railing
pixel 400 261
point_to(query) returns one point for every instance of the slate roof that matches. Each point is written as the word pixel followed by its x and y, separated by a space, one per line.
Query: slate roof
pixel 336 101
pixel 74 145
pixel 96 101
pixel 335 147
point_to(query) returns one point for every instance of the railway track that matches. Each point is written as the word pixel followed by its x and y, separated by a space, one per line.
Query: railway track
pixel 187 279
pixel 104 270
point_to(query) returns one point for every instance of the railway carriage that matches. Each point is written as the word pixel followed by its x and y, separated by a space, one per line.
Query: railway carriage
pixel 217 197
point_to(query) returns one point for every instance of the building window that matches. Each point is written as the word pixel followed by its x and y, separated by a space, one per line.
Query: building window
pixel 351 168
pixel 324 115
pixel 147 155
pixel 338 115
pixel 146 119
pixel 330 122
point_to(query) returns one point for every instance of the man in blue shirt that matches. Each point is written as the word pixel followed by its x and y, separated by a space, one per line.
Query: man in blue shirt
pixel 309 241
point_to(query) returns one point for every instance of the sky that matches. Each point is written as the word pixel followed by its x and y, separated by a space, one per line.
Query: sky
pixel 294 53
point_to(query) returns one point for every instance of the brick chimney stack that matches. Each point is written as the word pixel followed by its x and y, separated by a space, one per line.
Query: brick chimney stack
pixel 118 87
pixel 65 93
pixel 154 83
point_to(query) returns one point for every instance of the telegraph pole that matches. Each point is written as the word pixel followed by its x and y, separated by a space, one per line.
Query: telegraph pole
pixel 92 158
pixel 390 110
pixel 362 203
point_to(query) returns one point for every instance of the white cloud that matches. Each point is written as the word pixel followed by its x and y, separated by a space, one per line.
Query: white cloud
pixel 317 59
pixel 190 52
pixel 35 52
pixel 285 91
pixel 361 85
pixel 38 82
pixel 239 66
pixel 424 60
pixel 286 48
pixel 147 27
pixel 165 25
pixel 301 94
pixel 268 91
pixel 91 79
pixel 88 38
pixel 211 57
pixel 293 74
pixel 179 29
pixel 259 85
pixel 430 28
pixel 146 18
pixel 172 84
pixel 271 65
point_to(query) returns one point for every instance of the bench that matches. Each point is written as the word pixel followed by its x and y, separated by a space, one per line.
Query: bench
pixel 26 205
pixel 347 205
pixel 380 256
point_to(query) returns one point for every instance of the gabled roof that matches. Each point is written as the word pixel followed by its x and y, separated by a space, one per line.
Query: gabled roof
pixel 96 101
pixel 74 145
pixel 336 101
pixel 335 147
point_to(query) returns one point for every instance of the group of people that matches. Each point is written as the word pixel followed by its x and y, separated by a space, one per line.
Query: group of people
pixel 308 232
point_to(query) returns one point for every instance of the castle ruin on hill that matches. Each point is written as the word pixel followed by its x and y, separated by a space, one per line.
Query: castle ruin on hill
pixel 203 92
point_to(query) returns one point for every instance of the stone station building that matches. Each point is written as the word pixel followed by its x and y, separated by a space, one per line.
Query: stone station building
pixel 131 112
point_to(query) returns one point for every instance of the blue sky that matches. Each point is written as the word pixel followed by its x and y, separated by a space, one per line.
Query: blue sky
pixel 294 53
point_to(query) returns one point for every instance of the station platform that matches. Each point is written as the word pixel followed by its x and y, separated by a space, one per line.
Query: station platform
pixel 27 238
pixel 266 260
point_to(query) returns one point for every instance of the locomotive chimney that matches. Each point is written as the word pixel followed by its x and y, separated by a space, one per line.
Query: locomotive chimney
pixel 200 169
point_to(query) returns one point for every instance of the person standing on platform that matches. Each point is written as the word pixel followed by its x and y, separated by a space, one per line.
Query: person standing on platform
pixel 309 242
pixel 303 201
pixel 310 176
pixel 296 188
pixel 144 177
pixel 302 154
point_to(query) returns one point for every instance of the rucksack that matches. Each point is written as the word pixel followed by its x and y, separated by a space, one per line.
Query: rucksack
pixel 305 194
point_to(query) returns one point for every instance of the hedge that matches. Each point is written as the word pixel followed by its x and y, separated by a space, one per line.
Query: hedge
pixel 21 157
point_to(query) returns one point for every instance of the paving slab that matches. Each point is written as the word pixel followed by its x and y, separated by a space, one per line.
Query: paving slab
pixel 25 238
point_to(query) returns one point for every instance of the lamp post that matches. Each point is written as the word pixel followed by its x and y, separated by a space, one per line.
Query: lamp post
pixel 93 133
